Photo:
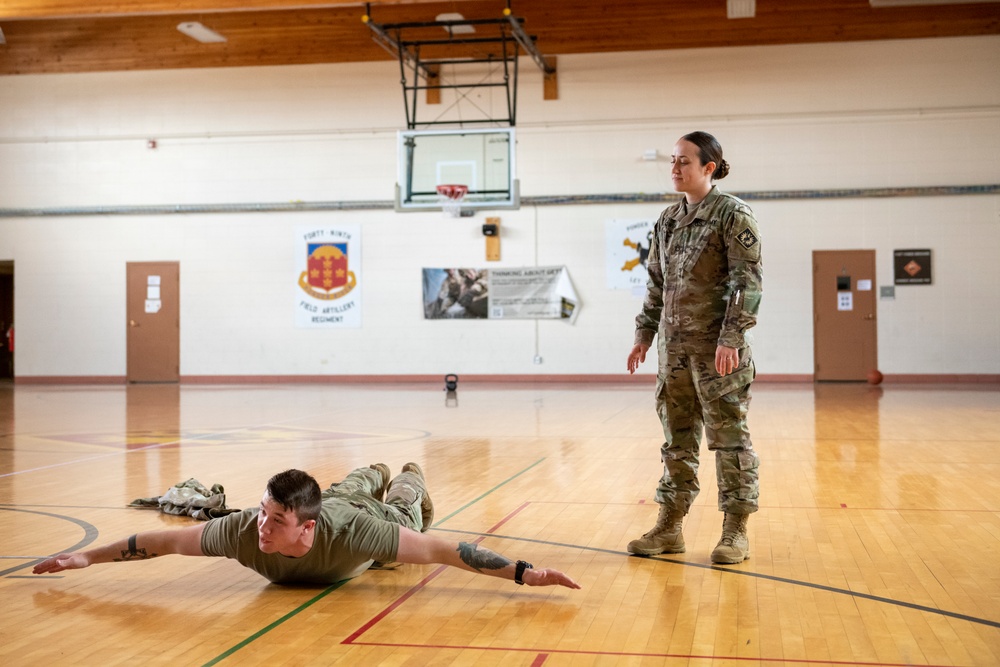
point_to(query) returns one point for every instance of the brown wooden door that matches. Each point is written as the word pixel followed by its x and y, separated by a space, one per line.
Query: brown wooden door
pixel 845 335
pixel 154 335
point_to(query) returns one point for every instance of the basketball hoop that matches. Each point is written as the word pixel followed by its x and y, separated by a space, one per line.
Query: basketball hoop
pixel 451 196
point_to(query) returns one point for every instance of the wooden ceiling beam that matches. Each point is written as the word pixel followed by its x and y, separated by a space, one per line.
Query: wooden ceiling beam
pixel 12 10
pixel 335 32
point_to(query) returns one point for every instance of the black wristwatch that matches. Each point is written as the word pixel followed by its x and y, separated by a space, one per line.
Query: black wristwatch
pixel 519 571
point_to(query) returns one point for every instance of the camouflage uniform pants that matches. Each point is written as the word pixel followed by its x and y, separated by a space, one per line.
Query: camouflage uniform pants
pixel 402 501
pixel 691 396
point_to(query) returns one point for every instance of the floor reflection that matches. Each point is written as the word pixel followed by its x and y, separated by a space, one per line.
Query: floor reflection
pixel 847 443
pixel 153 436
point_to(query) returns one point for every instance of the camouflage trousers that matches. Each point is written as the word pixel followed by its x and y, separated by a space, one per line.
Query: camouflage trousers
pixel 402 501
pixel 691 397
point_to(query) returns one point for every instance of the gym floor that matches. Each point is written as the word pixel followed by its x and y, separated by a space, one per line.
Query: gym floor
pixel 876 542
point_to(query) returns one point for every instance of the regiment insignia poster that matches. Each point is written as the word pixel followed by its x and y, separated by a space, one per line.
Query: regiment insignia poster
pixel 328 276
pixel 628 243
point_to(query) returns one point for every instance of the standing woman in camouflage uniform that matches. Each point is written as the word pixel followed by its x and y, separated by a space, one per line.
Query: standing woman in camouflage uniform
pixel 701 299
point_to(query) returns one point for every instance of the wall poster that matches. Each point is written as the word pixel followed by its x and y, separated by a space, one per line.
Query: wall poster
pixel 328 276
pixel 539 292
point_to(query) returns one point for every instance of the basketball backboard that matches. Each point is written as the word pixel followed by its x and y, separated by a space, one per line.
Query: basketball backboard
pixel 482 160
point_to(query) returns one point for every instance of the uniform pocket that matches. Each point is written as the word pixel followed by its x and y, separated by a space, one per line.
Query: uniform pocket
pixel 715 386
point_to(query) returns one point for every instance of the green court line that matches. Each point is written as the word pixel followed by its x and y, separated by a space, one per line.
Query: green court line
pixel 272 626
pixel 305 605
pixel 476 500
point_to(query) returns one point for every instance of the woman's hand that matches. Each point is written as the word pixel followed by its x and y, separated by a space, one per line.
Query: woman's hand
pixel 637 356
pixel 726 359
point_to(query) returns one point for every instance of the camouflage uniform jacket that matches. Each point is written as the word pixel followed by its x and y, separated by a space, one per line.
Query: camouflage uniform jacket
pixel 705 276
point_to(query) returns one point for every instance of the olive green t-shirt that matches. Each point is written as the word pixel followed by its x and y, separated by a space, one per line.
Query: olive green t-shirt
pixel 346 540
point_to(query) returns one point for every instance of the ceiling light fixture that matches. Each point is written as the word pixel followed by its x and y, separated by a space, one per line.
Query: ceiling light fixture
pixel 463 29
pixel 197 31
pixel 741 9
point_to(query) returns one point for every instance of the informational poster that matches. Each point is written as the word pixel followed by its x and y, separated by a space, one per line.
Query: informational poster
pixel 627 247
pixel 328 276
pixel 540 292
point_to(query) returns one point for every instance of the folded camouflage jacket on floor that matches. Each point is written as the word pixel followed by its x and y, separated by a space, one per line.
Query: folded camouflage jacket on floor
pixel 189 498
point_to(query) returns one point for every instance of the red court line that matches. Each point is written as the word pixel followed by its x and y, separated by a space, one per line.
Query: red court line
pixel 420 585
pixel 635 654
pixel 542 657
pixel 385 612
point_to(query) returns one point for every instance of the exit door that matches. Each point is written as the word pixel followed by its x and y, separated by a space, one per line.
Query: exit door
pixel 845 333
pixel 153 310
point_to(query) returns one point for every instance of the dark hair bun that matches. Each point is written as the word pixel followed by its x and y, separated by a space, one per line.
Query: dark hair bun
pixel 721 171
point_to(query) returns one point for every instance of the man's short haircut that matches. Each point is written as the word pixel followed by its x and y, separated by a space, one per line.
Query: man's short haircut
pixel 296 491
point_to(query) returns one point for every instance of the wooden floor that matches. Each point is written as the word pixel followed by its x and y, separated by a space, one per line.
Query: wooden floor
pixel 877 541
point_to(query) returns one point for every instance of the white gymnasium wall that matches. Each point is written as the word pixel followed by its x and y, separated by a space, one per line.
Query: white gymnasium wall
pixel 857 115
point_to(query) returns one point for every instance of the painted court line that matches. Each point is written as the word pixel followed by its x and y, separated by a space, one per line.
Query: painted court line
pixel 542 654
pixel 89 535
pixel 263 631
pixel 407 595
pixel 754 575
pixel 352 638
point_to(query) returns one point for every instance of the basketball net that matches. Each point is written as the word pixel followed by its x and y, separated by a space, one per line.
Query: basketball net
pixel 451 197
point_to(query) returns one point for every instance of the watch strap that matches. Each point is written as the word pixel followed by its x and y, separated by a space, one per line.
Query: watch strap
pixel 519 571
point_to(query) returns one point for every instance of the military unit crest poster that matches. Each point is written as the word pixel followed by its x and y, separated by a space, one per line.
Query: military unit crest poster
pixel 628 243
pixel 328 276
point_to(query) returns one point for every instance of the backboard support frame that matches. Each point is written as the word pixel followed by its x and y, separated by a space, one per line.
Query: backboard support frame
pixel 499 45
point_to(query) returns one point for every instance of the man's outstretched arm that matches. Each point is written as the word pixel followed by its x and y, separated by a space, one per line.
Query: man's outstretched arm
pixel 142 546
pixel 422 548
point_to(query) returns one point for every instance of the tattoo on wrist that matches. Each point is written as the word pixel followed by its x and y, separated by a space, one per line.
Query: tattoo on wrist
pixel 132 553
pixel 481 559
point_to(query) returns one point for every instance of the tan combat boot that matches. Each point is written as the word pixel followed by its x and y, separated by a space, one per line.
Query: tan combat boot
pixel 734 547
pixel 664 538
pixel 383 471
pixel 426 506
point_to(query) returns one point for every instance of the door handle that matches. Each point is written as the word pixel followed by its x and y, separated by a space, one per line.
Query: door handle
pixel 869 316
pixel 133 323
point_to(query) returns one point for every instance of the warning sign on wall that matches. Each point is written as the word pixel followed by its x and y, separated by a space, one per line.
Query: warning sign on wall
pixel 912 267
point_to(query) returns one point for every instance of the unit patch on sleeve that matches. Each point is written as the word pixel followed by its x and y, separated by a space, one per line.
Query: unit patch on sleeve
pixel 747 238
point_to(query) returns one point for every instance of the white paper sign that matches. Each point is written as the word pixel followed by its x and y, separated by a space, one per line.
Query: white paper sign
pixel 152 291
pixel 152 280
pixel 864 285
pixel 845 301
pixel 153 305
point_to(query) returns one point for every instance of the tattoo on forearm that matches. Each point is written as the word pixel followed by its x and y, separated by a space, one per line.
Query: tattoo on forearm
pixel 132 553
pixel 481 559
